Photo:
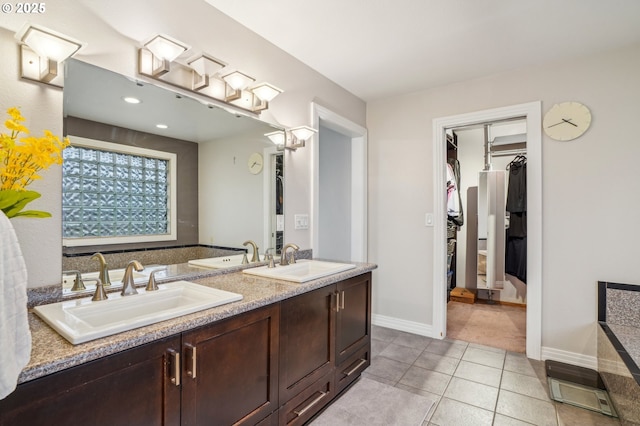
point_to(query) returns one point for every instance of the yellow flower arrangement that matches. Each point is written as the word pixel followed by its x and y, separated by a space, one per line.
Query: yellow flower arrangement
pixel 21 160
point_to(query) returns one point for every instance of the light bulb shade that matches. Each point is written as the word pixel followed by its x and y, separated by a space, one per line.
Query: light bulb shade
pixel 276 137
pixel 303 132
pixel 237 80
pixel 206 65
pixel 266 92
pixel 48 43
pixel 166 48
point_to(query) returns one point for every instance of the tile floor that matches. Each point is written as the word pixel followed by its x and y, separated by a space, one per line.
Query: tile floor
pixel 473 384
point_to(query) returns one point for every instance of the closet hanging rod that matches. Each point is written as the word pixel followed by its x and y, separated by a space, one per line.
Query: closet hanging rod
pixel 509 152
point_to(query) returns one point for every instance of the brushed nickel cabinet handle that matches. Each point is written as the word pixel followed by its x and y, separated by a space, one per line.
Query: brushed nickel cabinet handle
pixel 354 369
pixel 191 361
pixel 175 367
pixel 311 404
pixel 337 301
pixel 342 301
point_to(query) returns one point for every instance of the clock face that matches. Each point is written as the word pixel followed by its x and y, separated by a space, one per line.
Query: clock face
pixel 255 163
pixel 566 121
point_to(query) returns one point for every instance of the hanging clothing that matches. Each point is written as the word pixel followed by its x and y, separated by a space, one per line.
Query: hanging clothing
pixel 516 241
pixel 454 201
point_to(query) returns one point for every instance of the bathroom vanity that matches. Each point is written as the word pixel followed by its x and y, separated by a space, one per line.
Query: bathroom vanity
pixel 278 356
pixel 619 347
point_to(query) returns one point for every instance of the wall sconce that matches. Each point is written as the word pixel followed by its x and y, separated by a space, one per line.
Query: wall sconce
pixel 295 137
pixel 237 82
pixel 159 52
pixel 41 52
pixel 159 59
pixel 203 68
pixel 264 93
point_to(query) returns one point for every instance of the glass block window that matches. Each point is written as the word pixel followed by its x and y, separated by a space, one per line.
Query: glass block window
pixel 114 193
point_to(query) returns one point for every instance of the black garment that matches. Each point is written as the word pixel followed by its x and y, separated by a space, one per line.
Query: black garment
pixel 517 191
pixel 516 257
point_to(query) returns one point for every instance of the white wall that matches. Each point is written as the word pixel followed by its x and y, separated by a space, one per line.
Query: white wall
pixel 112 32
pixel 222 169
pixel 589 231
pixel 334 242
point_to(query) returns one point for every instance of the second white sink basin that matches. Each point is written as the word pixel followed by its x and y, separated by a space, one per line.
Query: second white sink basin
pixel 302 271
pixel 82 320
pixel 219 262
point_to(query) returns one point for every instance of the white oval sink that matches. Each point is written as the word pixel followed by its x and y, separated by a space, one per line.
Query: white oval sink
pixel 301 271
pixel 219 262
pixel 82 320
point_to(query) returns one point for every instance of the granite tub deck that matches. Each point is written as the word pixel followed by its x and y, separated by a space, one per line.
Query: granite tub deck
pixel 51 352
pixel 619 347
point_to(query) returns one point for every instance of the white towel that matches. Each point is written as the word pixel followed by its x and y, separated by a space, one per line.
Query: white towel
pixel 15 337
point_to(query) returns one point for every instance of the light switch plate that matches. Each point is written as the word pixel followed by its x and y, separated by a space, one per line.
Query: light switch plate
pixel 428 219
pixel 301 221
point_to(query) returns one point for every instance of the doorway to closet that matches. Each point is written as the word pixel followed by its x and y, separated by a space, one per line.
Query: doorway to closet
pixel 532 114
pixel 486 234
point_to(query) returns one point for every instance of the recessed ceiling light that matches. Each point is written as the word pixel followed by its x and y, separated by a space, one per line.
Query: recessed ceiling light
pixel 131 100
pixel 162 126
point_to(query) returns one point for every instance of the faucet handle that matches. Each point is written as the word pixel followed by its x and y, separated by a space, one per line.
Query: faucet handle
pixel 100 294
pixel 151 285
pixel 78 284
pixel 269 257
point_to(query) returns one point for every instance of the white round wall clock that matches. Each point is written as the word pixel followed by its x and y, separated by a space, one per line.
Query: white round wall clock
pixel 566 121
pixel 255 163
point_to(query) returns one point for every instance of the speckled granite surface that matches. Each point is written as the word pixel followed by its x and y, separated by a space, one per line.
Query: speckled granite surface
pixel 623 307
pixel 629 337
pixel 51 352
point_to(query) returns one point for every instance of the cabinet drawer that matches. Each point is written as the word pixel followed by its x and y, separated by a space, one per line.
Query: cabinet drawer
pixel 351 368
pixel 308 402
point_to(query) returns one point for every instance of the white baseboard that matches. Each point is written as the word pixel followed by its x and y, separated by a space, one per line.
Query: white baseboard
pixel 403 325
pixel 572 358
pixel 421 329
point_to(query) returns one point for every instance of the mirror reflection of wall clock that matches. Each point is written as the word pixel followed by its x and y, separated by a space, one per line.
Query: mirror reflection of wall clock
pixel 566 121
pixel 255 163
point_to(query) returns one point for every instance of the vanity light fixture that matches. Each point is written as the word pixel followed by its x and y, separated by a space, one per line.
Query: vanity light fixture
pixel 291 139
pixel 264 93
pixel 204 67
pixel 237 82
pixel 131 100
pixel 41 52
pixel 160 59
pixel 162 126
pixel 158 53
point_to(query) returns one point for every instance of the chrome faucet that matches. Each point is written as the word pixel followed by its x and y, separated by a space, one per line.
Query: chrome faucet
pixel 283 254
pixel 128 285
pixel 256 256
pixel 104 271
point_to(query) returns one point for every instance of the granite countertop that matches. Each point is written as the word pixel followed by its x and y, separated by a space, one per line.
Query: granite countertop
pixel 51 352
pixel 627 345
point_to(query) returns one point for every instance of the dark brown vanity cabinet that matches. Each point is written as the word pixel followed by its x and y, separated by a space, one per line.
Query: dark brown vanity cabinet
pixel 230 370
pixel 279 364
pixel 134 387
pixel 324 346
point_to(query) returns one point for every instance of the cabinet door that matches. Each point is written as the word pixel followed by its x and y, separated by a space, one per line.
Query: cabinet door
pixel 230 370
pixel 133 387
pixel 353 326
pixel 307 332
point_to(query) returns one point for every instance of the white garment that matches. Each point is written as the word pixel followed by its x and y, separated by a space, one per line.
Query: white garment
pixel 15 337
pixel 453 199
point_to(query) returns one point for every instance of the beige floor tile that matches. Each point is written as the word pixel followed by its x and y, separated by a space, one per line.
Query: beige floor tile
pixel 405 354
pixel 412 340
pixel 500 420
pixel 446 348
pixel 472 393
pixel 455 413
pixel 569 415
pixel 487 348
pixel 526 408
pixel 481 356
pixel 430 381
pixel 435 362
pixel 388 369
pixel 479 373
pixel 519 363
pixel 525 385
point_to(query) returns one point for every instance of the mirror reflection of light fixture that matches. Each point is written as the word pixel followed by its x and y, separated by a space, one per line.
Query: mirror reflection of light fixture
pixel 204 67
pixel 291 139
pixel 237 82
pixel 159 52
pixel 41 52
pixel 264 93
